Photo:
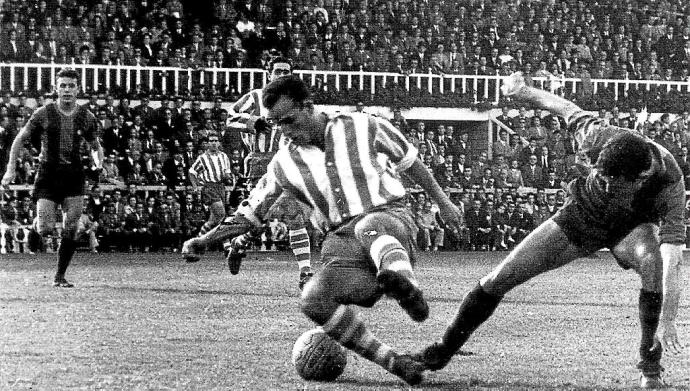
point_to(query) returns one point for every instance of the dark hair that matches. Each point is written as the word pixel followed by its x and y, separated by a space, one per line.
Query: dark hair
pixel 625 155
pixel 289 86
pixel 280 60
pixel 69 73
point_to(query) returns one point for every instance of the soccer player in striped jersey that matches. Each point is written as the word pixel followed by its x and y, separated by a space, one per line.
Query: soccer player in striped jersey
pixel 632 202
pixel 248 116
pixel 210 170
pixel 62 127
pixel 346 168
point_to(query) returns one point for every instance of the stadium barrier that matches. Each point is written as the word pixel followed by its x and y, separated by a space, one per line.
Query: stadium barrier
pixel 18 77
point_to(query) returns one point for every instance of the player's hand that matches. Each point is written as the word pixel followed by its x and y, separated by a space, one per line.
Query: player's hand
pixel 668 335
pixel 512 84
pixel 261 125
pixel 8 178
pixel 452 216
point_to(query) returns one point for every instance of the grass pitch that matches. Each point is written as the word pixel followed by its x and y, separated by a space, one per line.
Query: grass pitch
pixel 152 322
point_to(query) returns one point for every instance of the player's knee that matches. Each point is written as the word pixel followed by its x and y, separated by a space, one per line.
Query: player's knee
pixel 315 305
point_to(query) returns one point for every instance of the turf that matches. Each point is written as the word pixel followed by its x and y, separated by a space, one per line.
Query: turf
pixel 152 322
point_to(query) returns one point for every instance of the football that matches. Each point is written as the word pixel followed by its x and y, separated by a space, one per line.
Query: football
pixel 317 356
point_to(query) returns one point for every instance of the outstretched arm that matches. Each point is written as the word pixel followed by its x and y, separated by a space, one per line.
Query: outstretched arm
pixel 449 212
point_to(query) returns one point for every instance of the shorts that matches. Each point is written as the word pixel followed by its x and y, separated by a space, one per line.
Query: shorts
pixel 349 274
pixel 593 229
pixel 342 248
pixel 257 164
pixel 59 181
pixel 212 193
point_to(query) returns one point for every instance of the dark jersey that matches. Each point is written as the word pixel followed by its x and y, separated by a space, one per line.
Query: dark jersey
pixel 661 199
pixel 62 136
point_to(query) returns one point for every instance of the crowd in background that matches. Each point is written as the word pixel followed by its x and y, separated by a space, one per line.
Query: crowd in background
pixel 503 197
pixel 599 39
pixel 146 146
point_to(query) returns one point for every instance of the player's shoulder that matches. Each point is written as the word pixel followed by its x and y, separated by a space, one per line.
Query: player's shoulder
pixel 85 110
pixel 42 111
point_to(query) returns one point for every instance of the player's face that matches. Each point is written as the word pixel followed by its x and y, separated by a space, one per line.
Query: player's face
pixel 280 69
pixel 67 89
pixel 621 187
pixel 294 120
pixel 213 144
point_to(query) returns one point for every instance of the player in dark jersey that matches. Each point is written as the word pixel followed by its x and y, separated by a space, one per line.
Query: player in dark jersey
pixel 632 201
pixel 62 127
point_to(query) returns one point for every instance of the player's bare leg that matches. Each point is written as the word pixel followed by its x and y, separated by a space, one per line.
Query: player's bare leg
pixel 380 234
pixel 514 86
pixel 640 251
pixel 523 263
pixel 229 228
pixel 47 215
pixel 327 298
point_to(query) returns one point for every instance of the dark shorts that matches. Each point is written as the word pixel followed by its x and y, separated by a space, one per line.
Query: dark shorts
pixel 349 274
pixel 591 228
pixel 257 164
pixel 342 248
pixel 57 182
pixel 212 193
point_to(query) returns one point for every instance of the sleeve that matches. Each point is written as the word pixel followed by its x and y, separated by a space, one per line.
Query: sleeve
pixel 391 142
pixel 36 122
pixel 197 167
pixel 590 132
pixel 226 164
pixel 91 127
pixel 241 115
pixel 257 206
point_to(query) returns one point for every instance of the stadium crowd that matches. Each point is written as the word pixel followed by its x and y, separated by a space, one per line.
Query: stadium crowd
pixel 155 147
pixel 604 39
pixel 142 199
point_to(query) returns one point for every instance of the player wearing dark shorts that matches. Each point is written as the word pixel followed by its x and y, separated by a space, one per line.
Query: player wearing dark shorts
pixel 346 169
pixel 62 127
pixel 632 202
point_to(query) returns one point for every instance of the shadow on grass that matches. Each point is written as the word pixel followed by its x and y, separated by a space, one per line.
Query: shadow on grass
pixel 191 291
pixel 464 383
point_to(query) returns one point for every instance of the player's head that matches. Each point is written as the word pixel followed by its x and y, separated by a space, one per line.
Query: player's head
pixel 290 107
pixel 280 66
pixel 67 85
pixel 624 161
pixel 213 142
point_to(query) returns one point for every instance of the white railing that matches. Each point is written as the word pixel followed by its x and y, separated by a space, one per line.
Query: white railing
pixel 170 80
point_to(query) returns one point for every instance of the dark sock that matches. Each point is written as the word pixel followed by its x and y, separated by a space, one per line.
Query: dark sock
pixel 474 310
pixel 65 253
pixel 650 349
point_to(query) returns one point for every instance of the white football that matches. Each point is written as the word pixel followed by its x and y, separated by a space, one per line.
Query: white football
pixel 318 357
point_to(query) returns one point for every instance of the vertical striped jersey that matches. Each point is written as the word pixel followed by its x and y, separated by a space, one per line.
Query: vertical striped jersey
pixel 211 167
pixel 240 119
pixel 357 170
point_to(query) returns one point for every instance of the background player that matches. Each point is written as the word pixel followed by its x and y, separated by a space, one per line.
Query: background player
pixel 248 116
pixel 61 127
pixel 333 165
pixel 210 170
pixel 631 202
